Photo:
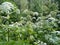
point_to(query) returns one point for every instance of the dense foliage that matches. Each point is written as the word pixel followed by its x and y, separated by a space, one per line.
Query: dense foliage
pixel 29 22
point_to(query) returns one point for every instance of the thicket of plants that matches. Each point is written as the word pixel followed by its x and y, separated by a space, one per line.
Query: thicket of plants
pixel 29 22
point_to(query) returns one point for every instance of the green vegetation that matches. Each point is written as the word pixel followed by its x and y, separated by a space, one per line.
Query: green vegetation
pixel 29 22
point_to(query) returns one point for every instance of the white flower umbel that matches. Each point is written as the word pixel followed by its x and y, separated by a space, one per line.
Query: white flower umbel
pixel 25 11
pixel 36 13
pixel 7 7
pixel 17 11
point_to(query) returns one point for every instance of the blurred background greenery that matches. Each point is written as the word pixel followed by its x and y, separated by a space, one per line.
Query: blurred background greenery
pixel 29 22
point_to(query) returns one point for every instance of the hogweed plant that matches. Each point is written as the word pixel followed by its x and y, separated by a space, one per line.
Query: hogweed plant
pixel 37 24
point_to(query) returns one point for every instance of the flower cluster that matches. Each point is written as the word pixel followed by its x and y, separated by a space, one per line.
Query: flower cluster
pixel 7 7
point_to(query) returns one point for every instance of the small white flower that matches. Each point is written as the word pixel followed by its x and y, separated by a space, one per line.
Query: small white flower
pixel 20 35
pixel 58 32
pixel 53 19
pixel 36 13
pixel 11 25
pixel 22 17
pixel 17 11
pixel 34 17
pixel 49 16
pixel 25 11
pixel 51 40
pixel 31 37
pixel 41 42
pixel 38 41
pixel 35 42
pixel 39 18
pixel 45 44
pixel 34 26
